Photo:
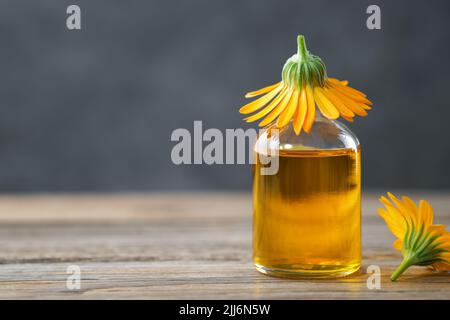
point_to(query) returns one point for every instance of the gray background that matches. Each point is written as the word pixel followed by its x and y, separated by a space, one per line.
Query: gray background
pixel 94 109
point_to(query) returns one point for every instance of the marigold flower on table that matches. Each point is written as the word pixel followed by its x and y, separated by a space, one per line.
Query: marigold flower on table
pixel 304 85
pixel 421 242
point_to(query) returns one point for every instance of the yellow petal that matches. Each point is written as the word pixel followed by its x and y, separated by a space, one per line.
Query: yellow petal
pixel 326 107
pixel 398 217
pixel 441 266
pixel 398 244
pixel 361 99
pixel 349 89
pixel 278 109
pixel 260 102
pixel 409 204
pixel 397 226
pixel 337 102
pixel 337 81
pixel 425 213
pixel 445 256
pixel 444 238
pixel 413 215
pixel 268 108
pixel 302 109
pixel 349 119
pixel 350 92
pixel 438 230
pixel 355 92
pixel 289 111
pixel 311 109
pixel 351 104
pixel 261 91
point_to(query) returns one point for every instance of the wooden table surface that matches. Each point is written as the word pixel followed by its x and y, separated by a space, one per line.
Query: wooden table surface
pixel 177 246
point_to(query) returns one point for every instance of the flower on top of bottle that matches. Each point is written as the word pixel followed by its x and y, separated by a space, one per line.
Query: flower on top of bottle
pixel 304 85
pixel 421 242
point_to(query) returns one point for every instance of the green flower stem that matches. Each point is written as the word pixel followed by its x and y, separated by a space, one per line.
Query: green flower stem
pixel 406 263
pixel 302 52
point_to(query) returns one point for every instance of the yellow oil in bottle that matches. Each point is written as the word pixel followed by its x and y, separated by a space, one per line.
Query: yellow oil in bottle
pixel 307 217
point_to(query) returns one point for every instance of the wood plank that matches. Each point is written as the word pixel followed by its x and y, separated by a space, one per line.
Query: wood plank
pixel 176 246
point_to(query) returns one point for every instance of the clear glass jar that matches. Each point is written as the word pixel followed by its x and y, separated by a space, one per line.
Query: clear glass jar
pixel 307 216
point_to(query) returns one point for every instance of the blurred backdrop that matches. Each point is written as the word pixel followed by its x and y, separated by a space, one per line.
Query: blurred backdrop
pixel 94 109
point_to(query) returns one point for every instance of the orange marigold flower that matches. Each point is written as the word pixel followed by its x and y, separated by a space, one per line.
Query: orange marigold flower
pixel 304 85
pixel 421 242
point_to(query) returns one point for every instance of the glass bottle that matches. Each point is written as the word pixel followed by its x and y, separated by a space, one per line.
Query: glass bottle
pixel 307 216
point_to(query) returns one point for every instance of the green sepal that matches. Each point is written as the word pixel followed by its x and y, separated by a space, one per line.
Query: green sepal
pixel 304 68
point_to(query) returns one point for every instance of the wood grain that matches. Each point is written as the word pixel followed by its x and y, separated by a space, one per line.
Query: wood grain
pixel 176 246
